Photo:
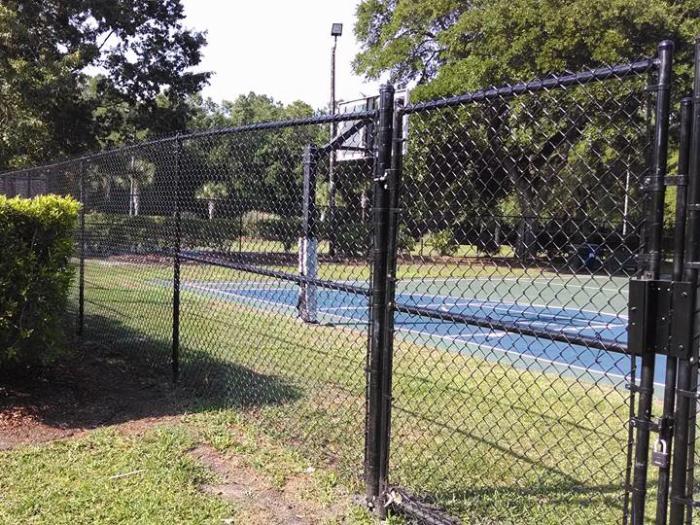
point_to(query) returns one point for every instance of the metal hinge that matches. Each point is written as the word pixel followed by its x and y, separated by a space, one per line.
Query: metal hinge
pixel 660 313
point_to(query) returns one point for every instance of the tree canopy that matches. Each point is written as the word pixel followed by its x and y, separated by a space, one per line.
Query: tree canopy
pixel 451 46
pixel 77 74
pixel 262 170
pixel 538 157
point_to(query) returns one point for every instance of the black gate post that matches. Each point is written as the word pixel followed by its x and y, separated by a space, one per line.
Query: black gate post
pixel 681 497
pixel 81 275
pixel 655 185
pixel 666 429
pixel 394 181
pixel 378 322
pixel 175 358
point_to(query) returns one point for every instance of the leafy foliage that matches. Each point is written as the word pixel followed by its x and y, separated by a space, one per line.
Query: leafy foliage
pixel 449 46
pixel 148 233
pixel 533 154
pixel 212 192
pixel 443 242
pixel 34 281
pixel 276 228
pixel 50 105
pixel 262 170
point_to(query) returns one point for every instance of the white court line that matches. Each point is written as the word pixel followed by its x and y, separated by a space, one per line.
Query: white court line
pixel 481 346
pixel 570 329
pixel 265 286
pixel 213 285
pixel 495 306
pixel 246 297
pixel 536 305
pixel 454 339
pixel 566 329
pixel 328 308
pixel 536 280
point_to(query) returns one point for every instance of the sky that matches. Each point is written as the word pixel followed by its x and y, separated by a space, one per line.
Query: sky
pixel 280 48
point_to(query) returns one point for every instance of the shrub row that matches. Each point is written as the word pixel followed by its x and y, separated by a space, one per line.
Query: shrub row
pixel 37 239
pixel 110 234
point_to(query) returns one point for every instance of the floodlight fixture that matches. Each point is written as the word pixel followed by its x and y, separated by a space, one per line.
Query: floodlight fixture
pixel 336 30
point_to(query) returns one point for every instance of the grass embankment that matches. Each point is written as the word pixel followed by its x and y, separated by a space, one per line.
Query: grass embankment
pixel 490 442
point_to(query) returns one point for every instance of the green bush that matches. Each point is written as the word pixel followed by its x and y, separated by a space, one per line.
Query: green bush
pixel 109 234
pixel 405 242
pixel 285 230
pixel 281 229
pixel 37 239
pixel 353 239
pixel 443 242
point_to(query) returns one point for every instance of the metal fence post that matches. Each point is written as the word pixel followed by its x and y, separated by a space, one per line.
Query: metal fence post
pixel 378 322
pixel 685 387
pixel 666 430
pixel 175 357
pixel 394 182
pixel 654 228
pixel 81 277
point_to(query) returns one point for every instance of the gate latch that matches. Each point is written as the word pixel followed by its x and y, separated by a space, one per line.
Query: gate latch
pixel 660 313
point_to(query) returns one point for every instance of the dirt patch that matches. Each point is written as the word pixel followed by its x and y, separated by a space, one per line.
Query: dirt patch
pixel 91 388
pixel 256 497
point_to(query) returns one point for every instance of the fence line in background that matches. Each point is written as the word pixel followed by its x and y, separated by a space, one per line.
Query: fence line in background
pixel 495 377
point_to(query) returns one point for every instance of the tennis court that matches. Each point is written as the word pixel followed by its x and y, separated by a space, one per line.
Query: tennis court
pixel 567 307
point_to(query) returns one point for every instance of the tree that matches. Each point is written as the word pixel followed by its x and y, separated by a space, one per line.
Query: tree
pixel 138 174
pixel 51 107
pixel 452 46
pixel 212 192
pixel 262 169
pixel 536 155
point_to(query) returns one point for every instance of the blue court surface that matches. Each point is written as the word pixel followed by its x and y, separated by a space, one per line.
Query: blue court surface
pixel 593 309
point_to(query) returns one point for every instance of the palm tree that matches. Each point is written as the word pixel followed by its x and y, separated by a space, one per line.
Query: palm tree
pixel 212 192
pixel 139 173
pixel 99 180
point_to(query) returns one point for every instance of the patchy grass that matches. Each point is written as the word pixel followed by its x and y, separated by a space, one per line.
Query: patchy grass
pixel 490 442
pixel 108 478
pixel 170 474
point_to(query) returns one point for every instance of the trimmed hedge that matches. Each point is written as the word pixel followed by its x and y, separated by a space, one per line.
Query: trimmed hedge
pixel 37 239
pixel 285 230
pixel 111 234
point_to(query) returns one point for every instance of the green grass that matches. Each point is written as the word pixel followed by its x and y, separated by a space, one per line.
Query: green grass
pixel 490 442
pixel 108 478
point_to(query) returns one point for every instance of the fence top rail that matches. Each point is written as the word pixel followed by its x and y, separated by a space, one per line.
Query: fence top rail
pixel 199 134
pixel 552 82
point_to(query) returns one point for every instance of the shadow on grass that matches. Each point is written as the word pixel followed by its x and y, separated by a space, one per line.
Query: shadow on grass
pixel 115 374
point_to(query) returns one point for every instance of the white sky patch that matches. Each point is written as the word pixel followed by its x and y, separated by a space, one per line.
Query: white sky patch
pixel 280 48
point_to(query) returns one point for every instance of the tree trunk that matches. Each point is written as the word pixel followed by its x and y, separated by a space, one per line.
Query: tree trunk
pixel 131 196
pixel 211 209
pixel 137 198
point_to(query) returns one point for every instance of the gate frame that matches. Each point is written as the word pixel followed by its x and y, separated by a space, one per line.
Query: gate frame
pixel 682 475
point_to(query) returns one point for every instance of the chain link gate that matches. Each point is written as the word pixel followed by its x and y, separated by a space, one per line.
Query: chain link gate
pixel 515 317
pixel 660 309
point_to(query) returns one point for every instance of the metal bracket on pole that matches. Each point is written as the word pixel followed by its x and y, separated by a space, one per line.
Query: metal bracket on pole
pixel 659 317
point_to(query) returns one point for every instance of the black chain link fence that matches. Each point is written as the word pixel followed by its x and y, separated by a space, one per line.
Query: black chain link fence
pixel 436 296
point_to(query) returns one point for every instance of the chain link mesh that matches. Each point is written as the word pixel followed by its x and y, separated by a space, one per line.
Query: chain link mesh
pixel 520 213
pixel 521 222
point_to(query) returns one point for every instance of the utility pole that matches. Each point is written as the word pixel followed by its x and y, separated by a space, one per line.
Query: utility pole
pixel 336 31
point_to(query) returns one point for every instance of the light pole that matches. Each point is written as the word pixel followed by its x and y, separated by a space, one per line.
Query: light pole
pixel 336 31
